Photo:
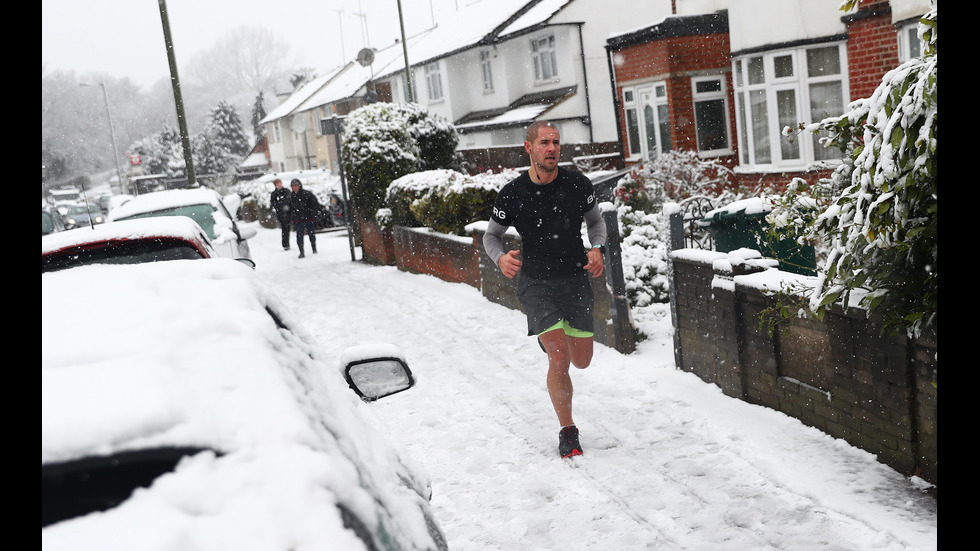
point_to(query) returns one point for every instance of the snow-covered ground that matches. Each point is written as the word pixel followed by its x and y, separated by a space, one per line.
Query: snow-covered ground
pixel 670 462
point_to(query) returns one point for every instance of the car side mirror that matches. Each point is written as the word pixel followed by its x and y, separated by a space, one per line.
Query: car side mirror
pixel 247 233
pixel 374 371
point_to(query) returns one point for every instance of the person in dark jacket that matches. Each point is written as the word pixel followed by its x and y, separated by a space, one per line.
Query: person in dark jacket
pixel 303 210
pixel 280 204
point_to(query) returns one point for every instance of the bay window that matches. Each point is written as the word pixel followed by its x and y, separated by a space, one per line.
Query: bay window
pixel 775 91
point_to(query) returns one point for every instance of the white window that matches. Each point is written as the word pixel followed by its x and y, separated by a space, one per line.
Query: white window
pixel 778 90
pixel 485 56
pixel 711 114
pixel 433 81
pixel 647 120
pixel 278 132
pixel 632 122
pixel 545 58
pixel 909 44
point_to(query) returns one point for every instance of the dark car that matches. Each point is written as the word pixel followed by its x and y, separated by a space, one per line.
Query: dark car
pixel 190 412
pixel 82 215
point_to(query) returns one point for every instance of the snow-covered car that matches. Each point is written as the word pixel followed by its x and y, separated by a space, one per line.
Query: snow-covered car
pixel 191 412
pixel 127 242
pixel 202 205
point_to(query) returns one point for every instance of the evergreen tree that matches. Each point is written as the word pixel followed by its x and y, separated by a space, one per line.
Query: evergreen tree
pixel 227 131
pixel 258 113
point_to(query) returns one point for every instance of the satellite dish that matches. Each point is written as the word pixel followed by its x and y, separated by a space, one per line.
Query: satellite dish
pixel 299 123
pixel 365 57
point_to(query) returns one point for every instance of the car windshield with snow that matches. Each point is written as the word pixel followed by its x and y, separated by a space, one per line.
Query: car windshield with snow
pixel 211 422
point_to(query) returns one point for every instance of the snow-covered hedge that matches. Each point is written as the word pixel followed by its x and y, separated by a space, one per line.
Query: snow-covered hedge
pixel 384 141
pixel 444 200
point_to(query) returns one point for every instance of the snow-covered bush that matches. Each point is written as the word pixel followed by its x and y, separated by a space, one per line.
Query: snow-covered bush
pixel 674 176
pixel 881 229
pixel 384 141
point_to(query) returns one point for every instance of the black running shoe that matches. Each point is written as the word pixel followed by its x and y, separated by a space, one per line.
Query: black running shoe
pixel 568 445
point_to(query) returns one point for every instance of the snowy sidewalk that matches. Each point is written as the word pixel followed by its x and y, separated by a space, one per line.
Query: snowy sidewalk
pixel 670 462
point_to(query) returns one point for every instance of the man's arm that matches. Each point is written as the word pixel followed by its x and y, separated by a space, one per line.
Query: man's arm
pixel 597 237
pixel 596 227
pixel 494 244
pixel 493 240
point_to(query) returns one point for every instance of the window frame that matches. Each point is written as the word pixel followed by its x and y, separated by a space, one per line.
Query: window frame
pixel 712 96
pixel 486 70
pixel 659 104
pixel 795 91
pixel 433 82
pixel 909 42
pixel 542 56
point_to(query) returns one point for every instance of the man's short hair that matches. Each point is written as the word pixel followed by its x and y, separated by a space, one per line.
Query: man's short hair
pixel 532 131
pixel 277 181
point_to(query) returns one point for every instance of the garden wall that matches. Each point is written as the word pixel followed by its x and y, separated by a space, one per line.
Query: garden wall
pixel 839 375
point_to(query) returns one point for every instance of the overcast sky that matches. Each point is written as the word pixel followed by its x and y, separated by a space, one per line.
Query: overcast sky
pixel 124 38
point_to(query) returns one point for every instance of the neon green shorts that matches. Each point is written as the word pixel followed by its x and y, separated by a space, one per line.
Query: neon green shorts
pixel 568 329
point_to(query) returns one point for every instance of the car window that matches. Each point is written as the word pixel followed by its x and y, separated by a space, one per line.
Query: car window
pixel 120 252
pixel 202 214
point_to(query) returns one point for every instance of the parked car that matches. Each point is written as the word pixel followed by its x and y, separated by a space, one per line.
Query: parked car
pixel 128 242
pixel 82 215
pixel 51 220
pixel 202 205
pixel 191 412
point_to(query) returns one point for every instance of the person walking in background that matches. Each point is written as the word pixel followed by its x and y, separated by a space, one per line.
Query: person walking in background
pixel 547 205
pixel 280 204
pixel 303 210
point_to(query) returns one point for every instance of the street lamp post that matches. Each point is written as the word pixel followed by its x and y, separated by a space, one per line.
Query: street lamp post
pixel 112 131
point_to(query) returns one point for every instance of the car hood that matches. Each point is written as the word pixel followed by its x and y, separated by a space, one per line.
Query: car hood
pixel 186 354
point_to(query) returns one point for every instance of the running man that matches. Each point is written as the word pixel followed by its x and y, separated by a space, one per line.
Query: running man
pixel 547 205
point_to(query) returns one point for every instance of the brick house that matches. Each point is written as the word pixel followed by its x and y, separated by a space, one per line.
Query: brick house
pixel 727 82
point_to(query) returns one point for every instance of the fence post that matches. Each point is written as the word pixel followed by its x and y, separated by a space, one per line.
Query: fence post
pixel 676 227
pixel 624 335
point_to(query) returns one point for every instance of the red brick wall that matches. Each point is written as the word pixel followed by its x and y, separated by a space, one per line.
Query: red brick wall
pixel 872 50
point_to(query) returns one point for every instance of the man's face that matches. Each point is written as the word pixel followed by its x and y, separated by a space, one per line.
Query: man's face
pixel 295 188
pixel 544 150
pixel 277 184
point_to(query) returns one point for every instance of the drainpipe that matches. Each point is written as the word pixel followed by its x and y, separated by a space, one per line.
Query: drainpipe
pixel 617 107
pixel 585 78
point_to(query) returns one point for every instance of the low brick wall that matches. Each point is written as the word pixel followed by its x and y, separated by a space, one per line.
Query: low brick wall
pixel 839 375
pixel 448 257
